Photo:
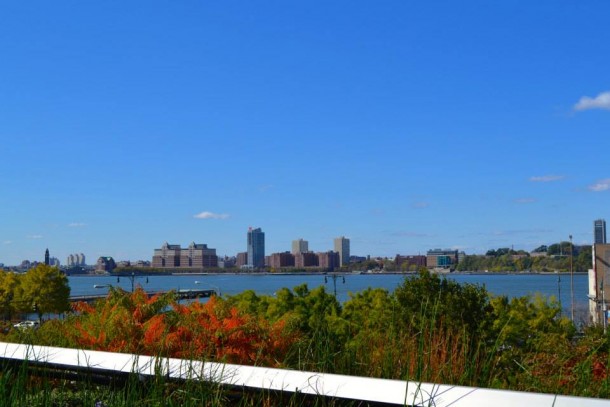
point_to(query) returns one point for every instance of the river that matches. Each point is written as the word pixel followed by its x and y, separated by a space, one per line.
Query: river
pixel 511 285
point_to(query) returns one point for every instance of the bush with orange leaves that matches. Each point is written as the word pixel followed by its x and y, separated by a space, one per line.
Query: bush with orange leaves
pixel 158 325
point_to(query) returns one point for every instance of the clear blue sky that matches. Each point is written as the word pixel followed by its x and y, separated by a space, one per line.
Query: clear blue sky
pixel 402 125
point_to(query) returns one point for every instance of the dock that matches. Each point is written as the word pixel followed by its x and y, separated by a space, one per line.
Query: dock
pixel 187 294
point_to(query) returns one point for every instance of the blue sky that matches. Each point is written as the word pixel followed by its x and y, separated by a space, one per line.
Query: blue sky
pixel 402 125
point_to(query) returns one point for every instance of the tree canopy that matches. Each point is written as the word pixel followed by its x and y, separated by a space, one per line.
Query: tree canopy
pixel 43 289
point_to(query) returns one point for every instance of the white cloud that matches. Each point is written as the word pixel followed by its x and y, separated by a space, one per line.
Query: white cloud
pixel 601 185
pixel 211 215
pixel 7 242
pixel 524 200
pixel 547 178
pixel 34 236
pixel 601 101
pixel 76 224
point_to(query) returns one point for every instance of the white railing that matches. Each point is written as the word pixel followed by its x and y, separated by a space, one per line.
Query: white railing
pixel 396 392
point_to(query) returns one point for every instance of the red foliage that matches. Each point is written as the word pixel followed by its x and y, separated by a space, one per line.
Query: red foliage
pixel 211 330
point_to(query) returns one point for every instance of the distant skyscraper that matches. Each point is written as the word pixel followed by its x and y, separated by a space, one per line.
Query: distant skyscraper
pixel 599 231
pixel 76 259
pixel 256 248
pixel 342 247
pixel 300 246
pixel 46 257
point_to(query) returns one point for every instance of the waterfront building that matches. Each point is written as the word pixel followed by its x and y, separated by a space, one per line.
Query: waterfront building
pixel 410 262
pixel 167 256
pixel 300 246
pixel 76 259
pixel 302 260
pixel 256 248
pixel 241 259
pixel 329 260
pixel 198 256
pixel 599 231
pixel 195 256
pixel 342 247
pixel 227 262
pixel 279 260
pixel 54 261
pixel 441 258
pixel 105 263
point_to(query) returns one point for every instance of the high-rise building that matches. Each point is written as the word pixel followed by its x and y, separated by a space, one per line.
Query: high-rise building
pixel 46 257
pixel 76 259
pixel 342 247
pixel 599 231
pixel 256 248
pixel 300 246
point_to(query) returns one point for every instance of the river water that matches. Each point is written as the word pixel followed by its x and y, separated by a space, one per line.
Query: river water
pixel 511 285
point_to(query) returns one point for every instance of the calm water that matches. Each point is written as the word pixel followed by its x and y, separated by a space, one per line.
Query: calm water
pixel 512 285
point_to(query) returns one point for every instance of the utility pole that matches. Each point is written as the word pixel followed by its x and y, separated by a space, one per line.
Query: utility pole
pixel 572 277
pixel 559 292
pixel 132 277
pixel 334 277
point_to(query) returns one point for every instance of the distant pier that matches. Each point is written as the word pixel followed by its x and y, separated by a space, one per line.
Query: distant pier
pixel 187 294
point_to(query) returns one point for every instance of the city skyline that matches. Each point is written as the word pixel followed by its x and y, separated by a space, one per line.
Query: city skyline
pixel 412 126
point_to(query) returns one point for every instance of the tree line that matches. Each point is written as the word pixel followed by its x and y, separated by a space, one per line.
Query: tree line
pixel 41 290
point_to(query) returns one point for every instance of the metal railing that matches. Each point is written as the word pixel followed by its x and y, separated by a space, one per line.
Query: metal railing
pixel 396 392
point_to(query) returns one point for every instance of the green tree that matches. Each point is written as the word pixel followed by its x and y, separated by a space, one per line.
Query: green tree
pixel 9 293
pixel 45 290
pixel 429 297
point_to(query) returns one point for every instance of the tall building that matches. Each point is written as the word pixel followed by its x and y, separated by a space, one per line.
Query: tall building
pixel 342 247
pixel 256 248
pixel 76 259
pixel 300 246
pixel 46 257
pixel 599 231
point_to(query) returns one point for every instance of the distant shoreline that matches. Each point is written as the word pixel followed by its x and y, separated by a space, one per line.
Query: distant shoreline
pixel 344 273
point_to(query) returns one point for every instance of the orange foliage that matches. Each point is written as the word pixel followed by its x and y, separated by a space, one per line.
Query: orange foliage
pixel 133 323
